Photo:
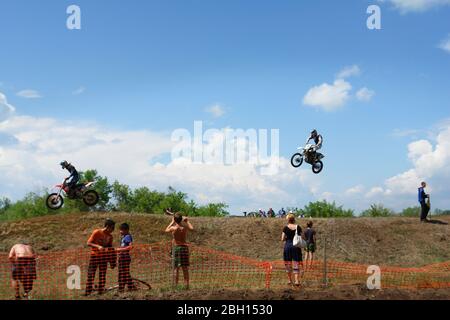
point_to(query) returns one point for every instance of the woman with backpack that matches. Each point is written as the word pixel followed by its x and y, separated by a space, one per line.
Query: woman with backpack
pixel 292 255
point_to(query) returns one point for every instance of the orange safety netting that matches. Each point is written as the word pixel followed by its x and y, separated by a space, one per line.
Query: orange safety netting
pixel 69 274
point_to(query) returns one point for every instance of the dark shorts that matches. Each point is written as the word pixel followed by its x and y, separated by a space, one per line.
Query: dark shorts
pixel 311 247
pixel 24 269
pixel 181 256
pixel 292 253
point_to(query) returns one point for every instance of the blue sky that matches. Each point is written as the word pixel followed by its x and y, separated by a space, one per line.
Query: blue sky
pixel 157 65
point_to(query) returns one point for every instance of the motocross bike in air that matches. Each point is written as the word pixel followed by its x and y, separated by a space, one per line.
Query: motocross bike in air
pixel 81 191
pixel 308 155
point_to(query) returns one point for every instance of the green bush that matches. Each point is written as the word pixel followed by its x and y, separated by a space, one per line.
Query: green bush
pixel 377 210
pixel 410 212
pixel 324 209
pixel 440 212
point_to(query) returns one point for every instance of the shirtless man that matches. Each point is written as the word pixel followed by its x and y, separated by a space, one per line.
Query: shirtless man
pixel 179 228
pixel 23 260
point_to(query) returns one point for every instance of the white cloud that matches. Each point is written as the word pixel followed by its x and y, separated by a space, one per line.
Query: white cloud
pixel 216 110
pixel 79 91
pixel 328 97
pixel 350 71
pixel 365 94
pixel 429 162
pixel 374 192
pixel 359 189
pixel 6 110
pixel 445 44
pixel 406 6
pixel 29 94
pixel 39 144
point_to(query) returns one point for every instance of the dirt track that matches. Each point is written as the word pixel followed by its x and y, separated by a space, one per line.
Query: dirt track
pixel 338 293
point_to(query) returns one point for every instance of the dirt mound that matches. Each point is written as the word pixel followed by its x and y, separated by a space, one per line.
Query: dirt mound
pixel 384 241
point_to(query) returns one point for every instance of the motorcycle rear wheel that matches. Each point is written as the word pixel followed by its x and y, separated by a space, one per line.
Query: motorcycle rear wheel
pixel 91 198
pixel 317 167
pixel 297 160
pixel 54 201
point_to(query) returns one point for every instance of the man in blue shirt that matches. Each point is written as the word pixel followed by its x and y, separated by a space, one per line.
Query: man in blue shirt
pixel 423 202
pixel 126 243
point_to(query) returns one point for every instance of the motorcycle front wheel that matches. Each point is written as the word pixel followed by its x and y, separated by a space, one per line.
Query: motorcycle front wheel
pixel 297 160
pixel 317 167
pixel 90 198
pixel 54 201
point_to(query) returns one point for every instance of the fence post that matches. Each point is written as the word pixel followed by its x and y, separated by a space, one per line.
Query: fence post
pixel 173 267
pixel 325 262
pixel 268 275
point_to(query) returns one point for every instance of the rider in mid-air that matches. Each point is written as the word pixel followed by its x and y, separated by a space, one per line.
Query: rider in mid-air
pixel 318 140
pixel 72 180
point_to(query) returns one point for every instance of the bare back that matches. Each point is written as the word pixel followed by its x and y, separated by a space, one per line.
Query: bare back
pixel 21 251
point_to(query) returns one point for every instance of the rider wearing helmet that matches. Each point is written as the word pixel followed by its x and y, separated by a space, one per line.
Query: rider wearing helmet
pixel 318 140
pixel 72 180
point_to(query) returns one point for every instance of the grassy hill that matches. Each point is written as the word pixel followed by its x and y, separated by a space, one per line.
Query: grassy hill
pixel 385 241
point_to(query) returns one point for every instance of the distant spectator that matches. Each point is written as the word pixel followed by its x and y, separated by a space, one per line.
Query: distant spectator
pixel 179 228
pixel 126 244
pixel 262 213
pixel 282 213
pixel 23 261
pixel 425 208
pixel 292 255
pixel 101 253
pixel 271 213
pixel 310 238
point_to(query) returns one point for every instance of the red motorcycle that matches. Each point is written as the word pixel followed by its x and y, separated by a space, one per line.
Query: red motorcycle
pixel 81 191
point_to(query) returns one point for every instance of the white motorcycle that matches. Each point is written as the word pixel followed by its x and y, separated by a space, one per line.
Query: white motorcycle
pixel 309 155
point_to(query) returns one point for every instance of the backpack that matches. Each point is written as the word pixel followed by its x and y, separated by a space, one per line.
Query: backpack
pixel 298 240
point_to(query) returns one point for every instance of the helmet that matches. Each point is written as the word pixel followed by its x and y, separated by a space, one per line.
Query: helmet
pixel 64 164
pixel 314 133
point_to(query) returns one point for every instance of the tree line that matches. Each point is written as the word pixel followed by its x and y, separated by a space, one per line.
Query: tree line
pixel 114 196
pixel 121 197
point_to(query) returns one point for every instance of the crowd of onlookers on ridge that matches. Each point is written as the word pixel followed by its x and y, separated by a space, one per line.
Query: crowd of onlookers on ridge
pixel 282 213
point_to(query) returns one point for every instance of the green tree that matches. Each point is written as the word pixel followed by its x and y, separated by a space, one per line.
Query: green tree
pixel 32 205
pixel 410 212
pixel 5 204
pixel 122 196
pixel 324 209
pixel 212 210
pixel 147 201
pixel 377 210
pixel 103 188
